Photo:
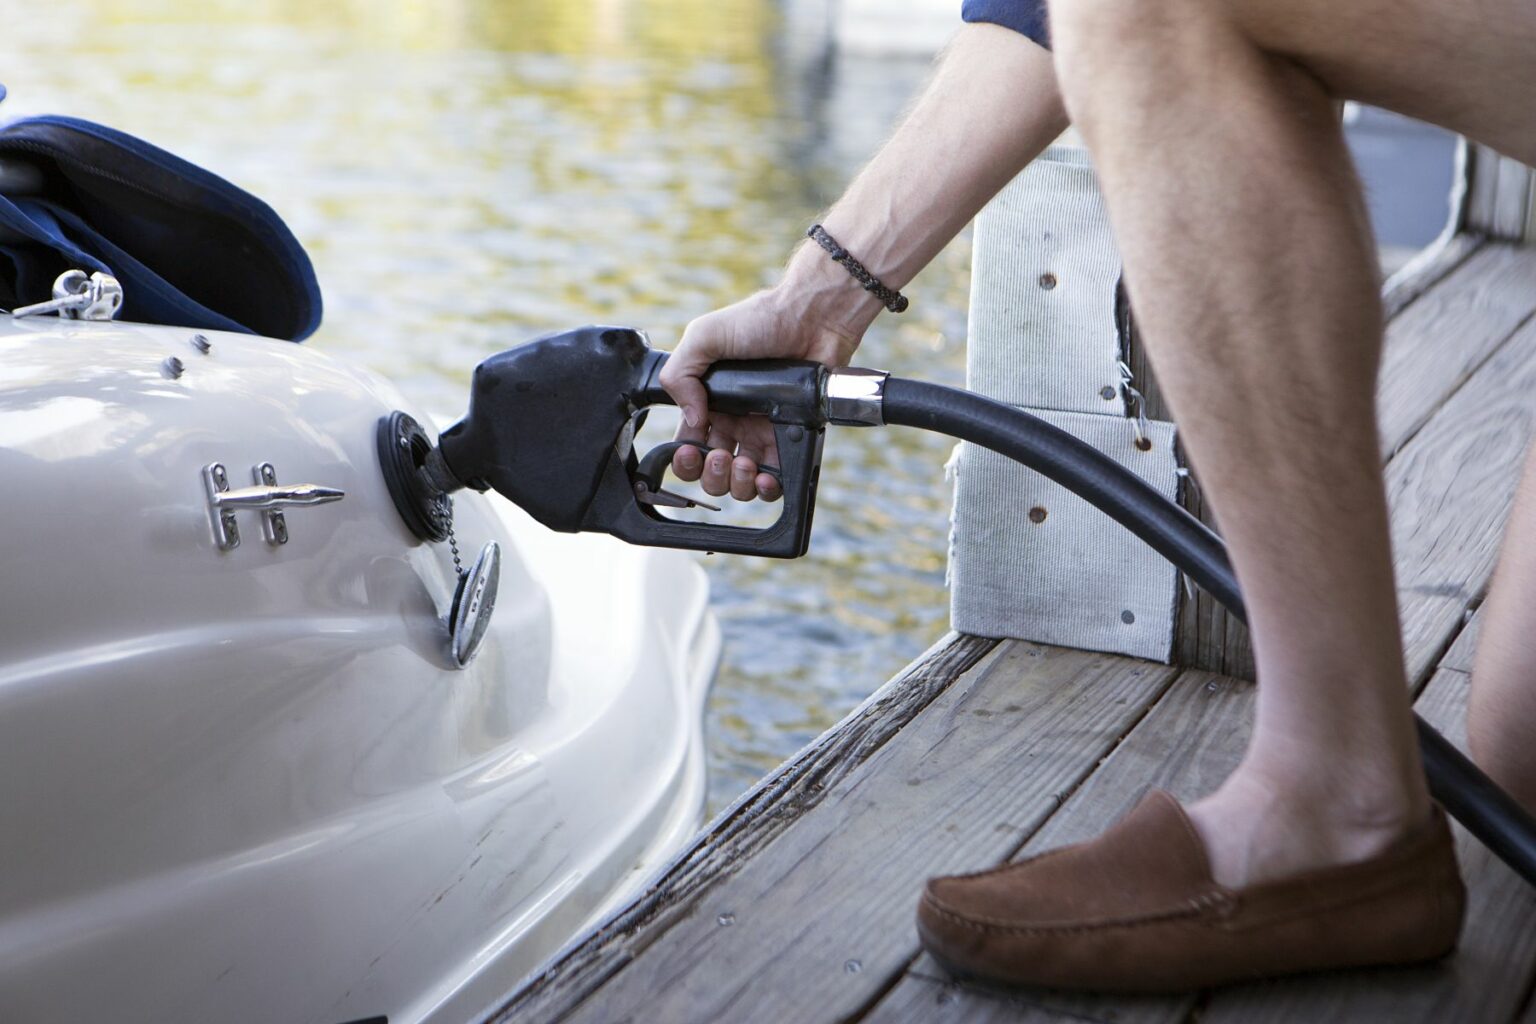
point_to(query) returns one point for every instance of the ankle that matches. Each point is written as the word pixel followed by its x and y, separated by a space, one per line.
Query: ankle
pixel 1257 827
pixel 1365 781
pixel 1344 808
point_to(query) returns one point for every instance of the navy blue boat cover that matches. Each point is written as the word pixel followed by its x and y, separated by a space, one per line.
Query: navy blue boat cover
pixel 189 248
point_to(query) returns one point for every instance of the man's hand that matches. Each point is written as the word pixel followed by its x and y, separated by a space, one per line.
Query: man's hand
pixel 992 107
pixel 769 325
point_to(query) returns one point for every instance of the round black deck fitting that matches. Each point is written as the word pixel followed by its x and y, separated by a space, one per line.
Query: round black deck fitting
pixel 403 447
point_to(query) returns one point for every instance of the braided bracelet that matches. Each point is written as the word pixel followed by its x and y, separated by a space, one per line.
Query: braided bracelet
pixel 893 300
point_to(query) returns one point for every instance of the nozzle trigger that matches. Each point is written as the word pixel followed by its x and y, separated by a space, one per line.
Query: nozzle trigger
pixel 653 468
pixel 643 492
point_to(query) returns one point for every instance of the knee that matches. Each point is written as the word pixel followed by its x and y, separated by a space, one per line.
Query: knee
pixel 1103 48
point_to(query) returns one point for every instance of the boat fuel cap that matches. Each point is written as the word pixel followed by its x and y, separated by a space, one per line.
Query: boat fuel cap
pixel 473 602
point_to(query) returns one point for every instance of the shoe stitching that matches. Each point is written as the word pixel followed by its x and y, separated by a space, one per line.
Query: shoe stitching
pixel 1408 850
pixel 985 924
pixel 1414 864
pixel 1382 890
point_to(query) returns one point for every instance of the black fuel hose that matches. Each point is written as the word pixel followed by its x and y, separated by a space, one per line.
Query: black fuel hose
pixel 1467 794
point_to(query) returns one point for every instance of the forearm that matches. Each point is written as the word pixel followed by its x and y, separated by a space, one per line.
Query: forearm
pixel 990 109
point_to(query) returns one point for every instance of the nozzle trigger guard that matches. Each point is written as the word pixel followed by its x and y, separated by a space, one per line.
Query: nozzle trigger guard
pixel 637 521
pixel 653 468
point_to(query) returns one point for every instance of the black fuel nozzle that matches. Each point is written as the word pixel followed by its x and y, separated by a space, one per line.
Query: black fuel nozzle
pixel 551 427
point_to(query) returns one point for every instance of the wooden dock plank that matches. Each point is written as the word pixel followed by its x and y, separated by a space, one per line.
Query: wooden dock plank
pixel 1461 652
pixel 1448 509
pixel 1499 197
pixel 924 998
pixel 1426 270
pixel 1435 344
pixel 1187 744
pixel 1450 490
pixel 969 777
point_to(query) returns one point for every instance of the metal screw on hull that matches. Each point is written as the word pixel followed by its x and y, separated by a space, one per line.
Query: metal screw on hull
pixel 172 367
pixel 201 343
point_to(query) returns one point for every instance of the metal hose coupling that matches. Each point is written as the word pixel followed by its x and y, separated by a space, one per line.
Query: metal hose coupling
pixel 855 397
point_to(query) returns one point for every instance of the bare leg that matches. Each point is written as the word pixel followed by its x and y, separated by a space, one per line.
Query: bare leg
pixel 1250 263
pixel 1501 723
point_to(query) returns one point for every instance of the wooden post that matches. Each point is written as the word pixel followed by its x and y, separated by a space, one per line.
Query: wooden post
pixel 1498 196
pixel 1029 559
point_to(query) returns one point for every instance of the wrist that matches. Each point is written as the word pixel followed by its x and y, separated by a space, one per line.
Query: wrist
pixel 816 289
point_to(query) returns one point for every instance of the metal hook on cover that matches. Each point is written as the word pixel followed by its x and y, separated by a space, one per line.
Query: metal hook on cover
pixel 79 297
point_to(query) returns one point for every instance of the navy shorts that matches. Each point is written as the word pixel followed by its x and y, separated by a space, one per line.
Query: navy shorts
pixel 1025 16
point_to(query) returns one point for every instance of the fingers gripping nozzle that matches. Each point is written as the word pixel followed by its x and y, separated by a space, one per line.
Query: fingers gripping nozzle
pixel 551 427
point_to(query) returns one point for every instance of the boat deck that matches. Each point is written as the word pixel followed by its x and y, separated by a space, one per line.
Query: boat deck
pixel 797 903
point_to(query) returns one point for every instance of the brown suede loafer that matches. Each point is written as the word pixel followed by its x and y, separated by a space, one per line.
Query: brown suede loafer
pixel 1136 910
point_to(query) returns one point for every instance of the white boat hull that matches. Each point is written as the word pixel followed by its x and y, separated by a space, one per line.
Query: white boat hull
pixel 251 784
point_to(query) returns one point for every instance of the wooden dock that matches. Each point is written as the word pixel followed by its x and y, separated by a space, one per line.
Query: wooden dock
pixel 796 904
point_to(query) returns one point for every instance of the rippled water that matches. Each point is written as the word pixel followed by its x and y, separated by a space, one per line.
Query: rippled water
pixel 470 173
pixel 470 177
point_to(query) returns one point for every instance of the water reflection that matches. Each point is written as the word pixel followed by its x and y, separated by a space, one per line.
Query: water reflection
pixel 469 174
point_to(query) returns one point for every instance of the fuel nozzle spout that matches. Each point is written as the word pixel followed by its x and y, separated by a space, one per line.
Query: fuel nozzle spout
pixel 436 475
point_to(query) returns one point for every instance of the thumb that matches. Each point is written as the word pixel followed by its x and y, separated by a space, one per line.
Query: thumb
pixel 680 377
pixel 693 400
